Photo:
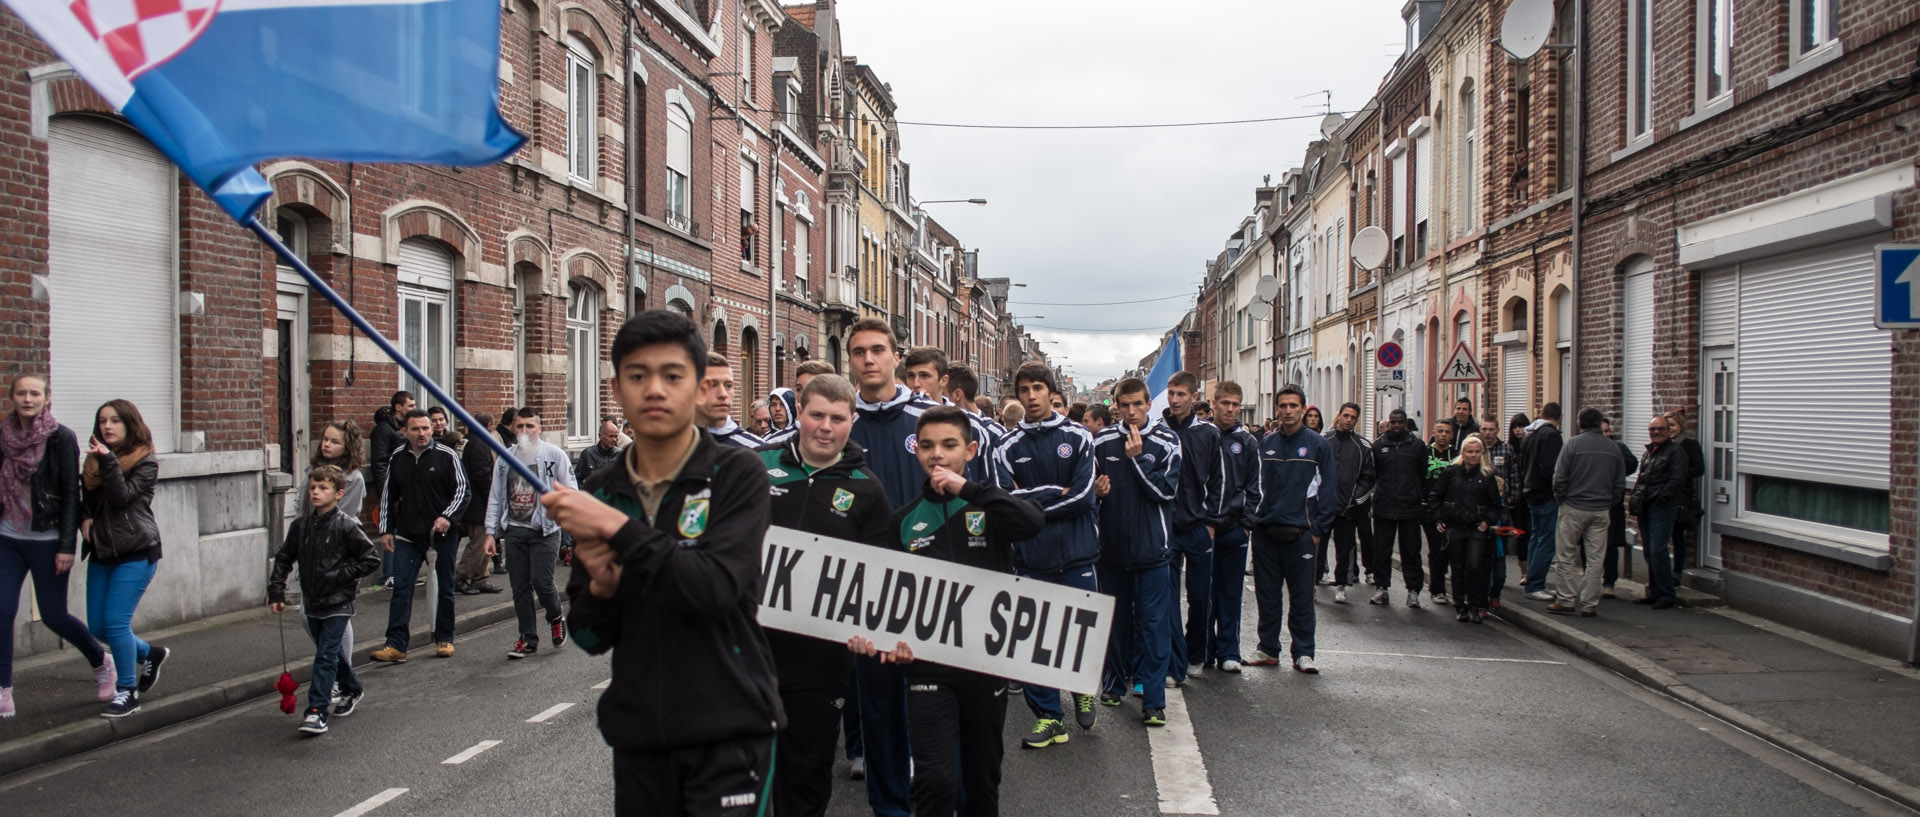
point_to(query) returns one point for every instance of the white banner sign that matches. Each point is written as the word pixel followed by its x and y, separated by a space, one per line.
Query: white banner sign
pixel 1040 634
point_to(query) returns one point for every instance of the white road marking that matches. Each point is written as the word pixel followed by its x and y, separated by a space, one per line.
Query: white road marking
pixel 1179 773
pixel 470 753
pixel 1446 657
pixel 604 684
pixel 551 711
pixel 372 803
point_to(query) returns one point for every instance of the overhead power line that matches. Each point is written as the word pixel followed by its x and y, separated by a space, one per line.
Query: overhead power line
pixel 1104 303
pixel 1161 328
pixel 1114 126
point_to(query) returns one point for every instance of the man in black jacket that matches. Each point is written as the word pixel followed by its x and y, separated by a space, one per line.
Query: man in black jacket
pixel 1539 453
pixel 1399 507
pixel 477 460
pixel 382 441
pixel 820 485
pixel 1353 458
pixel 667 577
pixel 426 490
pixel 1657 494
pixel 1196 514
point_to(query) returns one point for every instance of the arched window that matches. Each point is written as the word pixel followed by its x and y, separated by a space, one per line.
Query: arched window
pixel 720 337
pixel 583 111
pixel 681 307
pixel 583 360
pixel 749 366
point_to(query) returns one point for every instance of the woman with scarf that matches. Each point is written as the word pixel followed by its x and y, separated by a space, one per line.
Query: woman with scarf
pixel 39 515
pixel 124 543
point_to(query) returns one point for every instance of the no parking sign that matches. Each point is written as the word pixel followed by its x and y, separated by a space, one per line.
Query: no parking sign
pixel 1392 374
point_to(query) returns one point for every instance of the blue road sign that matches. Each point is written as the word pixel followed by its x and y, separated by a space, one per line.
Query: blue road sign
pixel 1896 291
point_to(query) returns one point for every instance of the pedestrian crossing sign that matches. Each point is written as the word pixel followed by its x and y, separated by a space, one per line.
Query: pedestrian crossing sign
pixel 1461 367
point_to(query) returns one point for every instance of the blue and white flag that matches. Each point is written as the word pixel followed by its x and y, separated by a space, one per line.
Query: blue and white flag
pixel 1164 368
pixel 218 85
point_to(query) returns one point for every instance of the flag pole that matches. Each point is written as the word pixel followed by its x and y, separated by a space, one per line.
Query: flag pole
pixel 360 322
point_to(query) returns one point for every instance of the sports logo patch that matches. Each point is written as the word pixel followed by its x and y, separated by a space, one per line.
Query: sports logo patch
pixel 977 523
pixel 776 473
pixel 1302 450
pixel 693 518
pixel 913 444
pixel 842 499
pixel 1064 451
pixel 1236 448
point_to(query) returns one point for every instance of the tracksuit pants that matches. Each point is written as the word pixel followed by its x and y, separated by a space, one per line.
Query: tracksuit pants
pixel 1229 590
pixel 813 699
pixel 958 720
pixel 1045 703
pixel 1352 536
pixel 882 698
pixel 1437 559
pixel 1407 532
pixel 1284 572
pixel 1137 645
pixel 725 778
pixel 1193 549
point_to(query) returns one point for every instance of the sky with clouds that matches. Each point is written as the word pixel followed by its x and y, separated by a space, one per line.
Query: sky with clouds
pixel 1088 216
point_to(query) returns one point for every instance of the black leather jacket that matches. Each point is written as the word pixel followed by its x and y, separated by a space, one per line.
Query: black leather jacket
pixel 122 511
pixel 334 554
pixel 1400 477
pixel 1663 478
pixel 54 489
pixel 1465 497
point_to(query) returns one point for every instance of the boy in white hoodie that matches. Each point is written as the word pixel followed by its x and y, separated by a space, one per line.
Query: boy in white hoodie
pixel 516 519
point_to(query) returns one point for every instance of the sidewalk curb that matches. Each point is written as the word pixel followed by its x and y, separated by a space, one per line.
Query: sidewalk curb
pixel 71 739
pixel 1647 673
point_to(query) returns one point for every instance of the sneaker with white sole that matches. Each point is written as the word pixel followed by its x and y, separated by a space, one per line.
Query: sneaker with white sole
pixel 6 702
pixel 1262 658
pixel 1413 598
pixel 315 723
pixel 1194 670
pixel 857 769
pixel 1540 595
pixel 1440 599
pixel 150 674
pixel 1230 665
pixel 1305 664
pixel 103 677
pixel 348 703
pixel 1340 595
pixel 124 703
pixel 1379 597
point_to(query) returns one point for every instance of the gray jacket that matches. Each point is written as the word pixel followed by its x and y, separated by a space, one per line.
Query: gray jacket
pixel 552 465
pixel 1590 474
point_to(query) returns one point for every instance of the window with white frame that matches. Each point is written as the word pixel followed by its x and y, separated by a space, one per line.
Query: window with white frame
pixel 583 360
pixel 582 111
pixel 1714 46
pixel 679 167
pixel 1812 25
pixel 426 275
pixel 792 103
pixel 1469 157
pixel 802 252
pixel 746 66
pixel 749 185
pixel 1639 69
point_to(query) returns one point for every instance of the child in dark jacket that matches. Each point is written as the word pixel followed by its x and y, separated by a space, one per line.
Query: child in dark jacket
pixel 956 717
pixel 1465 503
pixel 334 554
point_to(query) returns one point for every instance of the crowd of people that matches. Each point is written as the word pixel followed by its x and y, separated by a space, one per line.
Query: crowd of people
pixel 663 518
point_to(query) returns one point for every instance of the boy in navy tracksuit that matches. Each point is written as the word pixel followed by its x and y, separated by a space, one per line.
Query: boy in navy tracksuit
pixel 1295 501
pixel 1139 465
pixel 965 522
pixel 1240 460
pixel 1050 461
pixel 1196 516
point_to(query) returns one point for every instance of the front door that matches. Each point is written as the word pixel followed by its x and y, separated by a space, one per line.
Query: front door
pixel 291 429
pixel 1716 434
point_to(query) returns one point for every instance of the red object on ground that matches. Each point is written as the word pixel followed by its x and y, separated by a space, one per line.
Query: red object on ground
pixel 1508 530
pixel 286 686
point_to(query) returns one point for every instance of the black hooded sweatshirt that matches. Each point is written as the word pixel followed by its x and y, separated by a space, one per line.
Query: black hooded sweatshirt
pixel 844 501
pixel 690 663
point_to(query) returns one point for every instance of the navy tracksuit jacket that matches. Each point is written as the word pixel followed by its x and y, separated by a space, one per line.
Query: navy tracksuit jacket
pixel 1297 485
pixel 1202 473
pixel 1240 461
pixel 1135 516
pixel 1051 462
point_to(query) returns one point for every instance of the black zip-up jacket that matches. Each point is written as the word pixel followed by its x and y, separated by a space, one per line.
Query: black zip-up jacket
pixel 1464 497
pixel 1662 480
pixel 1135 516
pixel 54 488
pixel 122 512
pixel 1400 477
pixel 421 488
pixel 690 663
pixel 1539 452
pixel 476 459
pixel 382 441
pixel 845 501
pixel 1694 468
pixel 1203 477
pixel 334 554
pixel 1240 454
pixel 976 529
pixel 1353 456
pixel 592 459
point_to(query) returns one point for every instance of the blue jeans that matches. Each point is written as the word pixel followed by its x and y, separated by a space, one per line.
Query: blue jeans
pixel 1656 538
pixel 1541 544
pixel 113 593
pixel 1137 644
pixel 1497 578
pixel 1045 703
pixel 407 559
pixel 18 559
pixel 330 664
pixel 1284 569
pixel 1229 586
pixel 881 695
pixel 1194 547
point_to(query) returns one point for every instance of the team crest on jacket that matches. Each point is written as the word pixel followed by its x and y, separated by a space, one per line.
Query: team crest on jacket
pixel 1064 451
pixel 977 523
pixel 842 499
pixel 1236 448
pixel 913 444
pixel 1302 450
pixel 693 518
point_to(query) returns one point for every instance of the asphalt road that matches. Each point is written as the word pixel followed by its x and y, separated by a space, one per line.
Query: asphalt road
pixel 1413 714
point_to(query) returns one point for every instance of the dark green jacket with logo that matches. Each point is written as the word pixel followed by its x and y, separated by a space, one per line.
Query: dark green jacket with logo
pixel 844 501
pixel 976 529
pixel 690 663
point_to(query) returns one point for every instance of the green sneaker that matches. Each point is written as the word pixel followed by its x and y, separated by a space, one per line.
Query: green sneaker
pixel 1046 732
pixel 1155 717
pixel 1083 713
pixel 1109 699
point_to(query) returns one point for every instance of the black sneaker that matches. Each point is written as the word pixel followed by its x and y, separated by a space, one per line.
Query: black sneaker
pixel 1154 716
pixel 559 633
pixel 523 648
pixel 1083 711
pixel 124 703
pixel 347 703
pixel 315 723
pixel 150 674
pixel 1109 699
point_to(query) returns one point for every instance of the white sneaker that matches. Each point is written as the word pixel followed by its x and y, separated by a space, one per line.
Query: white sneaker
pixel 1440 599
pixel 1379 597
pixel 6 702
pixel 104 676
pixel 1540 595
pixel 1326 580
pixel 1413 598
pixel 857 769
pixel 1305 664
pixel 1229 665
pixel 1340 595
pixel 1194 670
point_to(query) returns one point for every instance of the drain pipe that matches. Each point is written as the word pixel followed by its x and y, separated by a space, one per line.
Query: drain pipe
pixel 1579 198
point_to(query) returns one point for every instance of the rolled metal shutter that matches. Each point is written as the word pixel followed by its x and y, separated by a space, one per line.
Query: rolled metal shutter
pixel 1719 307
pixel 1636 370
pixel 1396 198
pixel 111 275
pixel 1514 362
pixel 1814 398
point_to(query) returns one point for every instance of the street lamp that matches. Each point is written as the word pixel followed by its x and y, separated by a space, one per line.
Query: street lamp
pixel 980 202
pixel 1028 317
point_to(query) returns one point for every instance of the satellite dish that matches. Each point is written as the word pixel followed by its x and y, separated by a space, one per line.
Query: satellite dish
pixel 1526 27
pixel 1259 310
pixel 1330 125
pixel 1267 287
pixel 1369 248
